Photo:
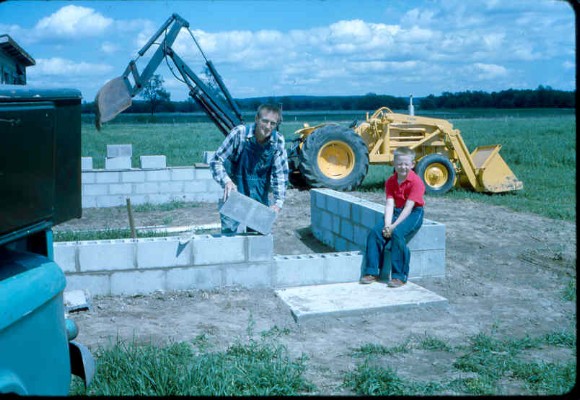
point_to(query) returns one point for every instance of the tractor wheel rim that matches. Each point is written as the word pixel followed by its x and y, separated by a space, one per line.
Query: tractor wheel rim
pixel 436 175
pixel 336 159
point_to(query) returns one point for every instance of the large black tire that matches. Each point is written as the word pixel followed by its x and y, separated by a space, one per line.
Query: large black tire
pixel 437 172
pixel 334 157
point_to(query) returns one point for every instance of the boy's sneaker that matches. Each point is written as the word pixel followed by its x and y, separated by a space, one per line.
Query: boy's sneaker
pixel 368 279
pixel 395 283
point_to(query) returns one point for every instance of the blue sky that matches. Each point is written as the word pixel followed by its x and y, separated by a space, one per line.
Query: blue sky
pixel 306 47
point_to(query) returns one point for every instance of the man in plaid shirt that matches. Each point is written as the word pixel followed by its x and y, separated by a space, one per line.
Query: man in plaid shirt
pixel 252 160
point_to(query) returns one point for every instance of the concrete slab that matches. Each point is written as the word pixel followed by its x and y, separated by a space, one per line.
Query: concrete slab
pixel 352 298
pixel 75 300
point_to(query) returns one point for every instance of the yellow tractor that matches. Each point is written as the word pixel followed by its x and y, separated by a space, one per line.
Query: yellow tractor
pixel 337 157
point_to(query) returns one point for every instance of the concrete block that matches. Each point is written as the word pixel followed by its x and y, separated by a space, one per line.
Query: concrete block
pixel 332 205
pixel 347 230
pixel 298 270
pixel 336 224
pixel 153 162
pixel 107 177
pixel 340 243
pixel 171 187
pixel 89 201
pixel 203 278
pixel 344 208
pixel 119 150
pixel 356 213
pixel 342 267
pixel 135 176
pixel 88 177
pixel 157 175
pixel 75 300
pixel 137 282
pixel 207 156
pixel 93 284
pixel 65 256
pixel 318 199
pixel 249 212
pixel 111 201
pixel 217 249
pixel 360 236
pixel 203 173
pixel 249 274
pixel 369 217
pixel 182 174
pixel 260 247
pixel 162 253
pixel 430 236
pixel 86 163
pixel 107 255
pixel 120 188
pixel 197 186
pixel 326 220
pixel 95 189
pixel 146 187
pixel 118 163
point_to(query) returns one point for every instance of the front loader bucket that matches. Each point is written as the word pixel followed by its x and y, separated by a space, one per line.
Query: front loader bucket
pixel 493 174
pixel 112 99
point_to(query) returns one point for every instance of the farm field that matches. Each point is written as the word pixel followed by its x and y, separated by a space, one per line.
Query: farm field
pixel 509 329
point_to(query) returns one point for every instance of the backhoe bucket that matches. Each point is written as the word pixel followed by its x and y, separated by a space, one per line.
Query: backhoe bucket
pixel 112 99
pixel 493 174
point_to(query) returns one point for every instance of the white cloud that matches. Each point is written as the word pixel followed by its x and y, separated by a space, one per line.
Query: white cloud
pixel 72 22
pixel 489 71
pixel 63 67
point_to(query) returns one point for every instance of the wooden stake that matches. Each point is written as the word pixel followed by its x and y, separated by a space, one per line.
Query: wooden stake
pixel 131 221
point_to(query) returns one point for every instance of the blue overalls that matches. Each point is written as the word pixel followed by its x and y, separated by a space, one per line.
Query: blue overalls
pixel 251 173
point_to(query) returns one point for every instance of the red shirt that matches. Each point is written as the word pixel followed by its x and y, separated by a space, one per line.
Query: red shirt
pixel 411 188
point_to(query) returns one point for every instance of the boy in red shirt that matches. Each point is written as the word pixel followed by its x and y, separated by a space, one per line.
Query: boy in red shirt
pixel 403 218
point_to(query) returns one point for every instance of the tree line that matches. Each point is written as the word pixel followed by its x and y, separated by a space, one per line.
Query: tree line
pixel 542 97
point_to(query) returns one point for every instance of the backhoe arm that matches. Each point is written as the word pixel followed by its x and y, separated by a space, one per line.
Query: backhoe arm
pixel 115 96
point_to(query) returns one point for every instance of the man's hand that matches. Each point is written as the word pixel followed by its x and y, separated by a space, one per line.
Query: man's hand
pixel 275 208
pixel 228 188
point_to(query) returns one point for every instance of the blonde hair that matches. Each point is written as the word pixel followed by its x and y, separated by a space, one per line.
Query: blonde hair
pixel 404 151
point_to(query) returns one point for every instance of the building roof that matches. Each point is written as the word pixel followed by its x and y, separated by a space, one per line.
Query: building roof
pixel 11 48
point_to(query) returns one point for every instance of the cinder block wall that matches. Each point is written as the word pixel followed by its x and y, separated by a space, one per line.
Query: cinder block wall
pixel 343 222
pixel 111 187
pixel 132 266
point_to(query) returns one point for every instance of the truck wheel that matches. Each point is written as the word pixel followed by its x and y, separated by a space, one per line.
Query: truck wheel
pixel 437 173
pixel 334 157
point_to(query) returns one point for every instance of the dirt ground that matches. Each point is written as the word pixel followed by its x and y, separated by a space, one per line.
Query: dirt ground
pixel 505 273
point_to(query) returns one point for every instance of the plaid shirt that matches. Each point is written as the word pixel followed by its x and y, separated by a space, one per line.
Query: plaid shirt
pixel 231 149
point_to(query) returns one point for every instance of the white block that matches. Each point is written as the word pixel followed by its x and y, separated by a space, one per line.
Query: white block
pixel 203 278
pixel 118 163
pixel 95 189
pixel 249 275
pixel 133 176
pixel 65 255
pixel 162 252
pixel 86 163
pixel 137 282
pixel 342 267
pixel 157 175
pixel 182 174
pixel 260 247
pixel 153 162
pixel 298 270
pixel 107 176
pixel 218 249
pixel 119 150
pixel 106 255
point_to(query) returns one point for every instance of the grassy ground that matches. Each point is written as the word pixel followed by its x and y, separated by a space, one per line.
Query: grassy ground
pixel 538 145
pixel 485 365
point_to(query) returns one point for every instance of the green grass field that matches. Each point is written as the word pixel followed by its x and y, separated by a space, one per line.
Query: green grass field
pixel 538 145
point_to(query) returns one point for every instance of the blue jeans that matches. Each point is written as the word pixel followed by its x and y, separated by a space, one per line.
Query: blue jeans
pixel 396 244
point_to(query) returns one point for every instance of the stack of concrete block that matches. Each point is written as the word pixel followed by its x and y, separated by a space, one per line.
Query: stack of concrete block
pixel 343 222
pixel 118 156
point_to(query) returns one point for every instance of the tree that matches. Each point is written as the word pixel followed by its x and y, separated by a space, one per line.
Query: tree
pixel 154 93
